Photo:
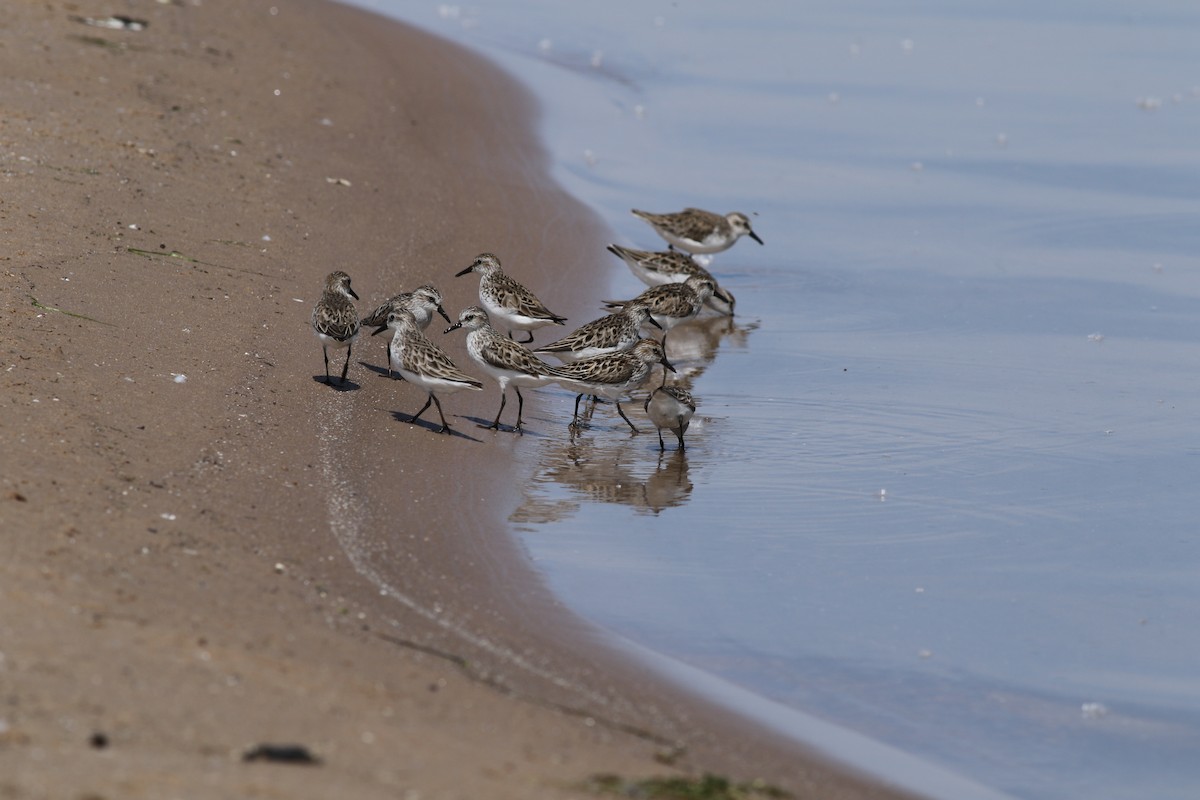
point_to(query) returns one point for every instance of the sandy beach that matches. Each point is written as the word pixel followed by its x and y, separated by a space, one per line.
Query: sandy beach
pixel 207 548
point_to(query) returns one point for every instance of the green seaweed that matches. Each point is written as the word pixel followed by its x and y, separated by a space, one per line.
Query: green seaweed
pixel 98 41
pixel 175 254
pixel 137 251
pixel 38 304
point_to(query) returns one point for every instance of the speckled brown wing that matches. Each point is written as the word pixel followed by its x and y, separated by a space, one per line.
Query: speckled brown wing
pixel 675 300
pixel 379 316
pixel 673 263
pixel 696 224
pixel 423 356
pixel 336 318
pixel 614 369
pixel 672 299
pixel 511 295
pixel 507 354
pixel 603 332
pixel 680 394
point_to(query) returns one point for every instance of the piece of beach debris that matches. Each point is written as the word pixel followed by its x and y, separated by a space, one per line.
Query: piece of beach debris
pixel 117 22
pixel 281 754
pixel 98 740
pixel 707 787
pixel 145 151
pixel 42 306
pixel 339 181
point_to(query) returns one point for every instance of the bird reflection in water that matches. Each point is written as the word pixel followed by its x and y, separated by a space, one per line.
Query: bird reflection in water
pixel 594 466
pixel 694 346
pixel 594 469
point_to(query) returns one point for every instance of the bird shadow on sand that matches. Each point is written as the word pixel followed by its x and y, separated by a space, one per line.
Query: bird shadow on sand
pixel 337 384
pixel 486 424
pixel 380 371
pixel 432 426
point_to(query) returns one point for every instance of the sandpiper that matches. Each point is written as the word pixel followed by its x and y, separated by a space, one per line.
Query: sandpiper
pixel 335 319
pixel 503 359
pixel 672 303
pixel 670 407
pixel 620 330
pixel 421 362
pixel 698 231
pixel 656 267
pixel 614 375
pixel 421 302
pixel 508 302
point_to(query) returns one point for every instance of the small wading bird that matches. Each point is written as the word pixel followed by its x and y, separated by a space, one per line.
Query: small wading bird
pixel 420 362
pixel 612 376
pixel 654 268
pixel 507 302
pixel 421 303
pixel 620 330
pixel 698 231
pixel 334 318
pixel 671 304
pixel 502 358
pixel 670 407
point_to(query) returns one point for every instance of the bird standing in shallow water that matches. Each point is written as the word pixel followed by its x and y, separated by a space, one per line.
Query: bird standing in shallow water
pixel 671 304
pixel 670 407
pixel 614 375
pixel 698 231
pixel 618 331
pixel 654 268
pixel 335 319
pixel 507 302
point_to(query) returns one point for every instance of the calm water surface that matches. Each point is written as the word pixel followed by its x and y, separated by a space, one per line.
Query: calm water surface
pixel 939 489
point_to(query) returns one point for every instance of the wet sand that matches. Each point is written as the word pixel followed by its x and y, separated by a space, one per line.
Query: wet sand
pixel 206 547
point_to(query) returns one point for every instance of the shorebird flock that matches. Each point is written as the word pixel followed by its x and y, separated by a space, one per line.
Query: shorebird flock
pixel 607 358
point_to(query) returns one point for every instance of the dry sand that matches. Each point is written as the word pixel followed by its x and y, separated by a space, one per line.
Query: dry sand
pixel 195 565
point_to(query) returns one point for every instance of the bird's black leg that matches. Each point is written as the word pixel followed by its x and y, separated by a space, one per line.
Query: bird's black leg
pixel 593 401
pixel 445 425
pixel 496 422
pixel 428 400
pixel 575 416
pixel 346 366
pixel 520 407
pixel 621 411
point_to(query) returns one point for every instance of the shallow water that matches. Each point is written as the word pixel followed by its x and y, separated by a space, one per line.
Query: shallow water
pixel 938 488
